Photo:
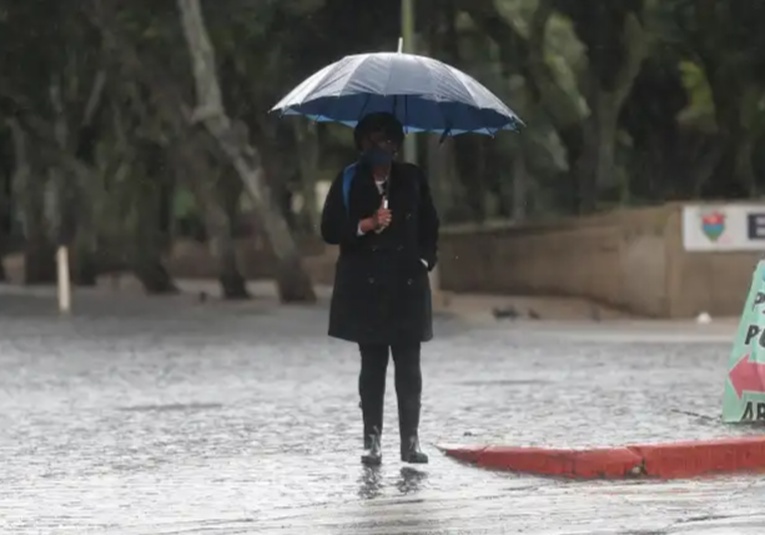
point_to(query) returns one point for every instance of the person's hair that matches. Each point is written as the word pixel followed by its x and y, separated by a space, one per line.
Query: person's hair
pixel 379 121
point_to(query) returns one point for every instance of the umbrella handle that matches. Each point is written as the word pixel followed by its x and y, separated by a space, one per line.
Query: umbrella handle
pixel 384 205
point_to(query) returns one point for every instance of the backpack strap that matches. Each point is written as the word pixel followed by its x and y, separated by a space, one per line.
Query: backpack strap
pixel 348 175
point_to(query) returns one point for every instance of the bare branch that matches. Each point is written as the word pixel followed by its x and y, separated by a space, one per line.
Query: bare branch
pixel 294 283
pixel 561 106
pixel 95 99
pixel 636 45
pixel 202 59
pixel 527 56
pixel 20 152
pixel 165 94
pixel 51 148
pixel 22 172
pixel 60 128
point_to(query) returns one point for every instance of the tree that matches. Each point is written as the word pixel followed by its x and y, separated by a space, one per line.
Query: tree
pixel 615 43
pixel 725 40
pixel 292 280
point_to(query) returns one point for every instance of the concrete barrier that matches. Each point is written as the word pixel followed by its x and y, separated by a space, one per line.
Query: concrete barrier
pixel 194 260
pixel 629 259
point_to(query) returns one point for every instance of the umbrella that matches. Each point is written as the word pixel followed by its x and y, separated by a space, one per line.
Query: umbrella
pixel 423 93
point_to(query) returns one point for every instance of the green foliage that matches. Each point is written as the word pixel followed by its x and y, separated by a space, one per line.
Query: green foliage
pixel 600 28
pixel 700 111
pixel 700 89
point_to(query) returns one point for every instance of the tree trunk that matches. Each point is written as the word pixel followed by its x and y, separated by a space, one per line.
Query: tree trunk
pixel 520 186
pixel 745 165
pixel 293 282
pixel 39 251
pixel 85 269
pixel 223 246
pixel 308 151
pixel 39 263
pixel 67 196
pixel 734 175
pixel 440 172
pixel 194 165
pixel 148 269
pixel 594 168
pixel 470 171
pixel 605 117
pixel 148 237
pixel 230 188
pixel 230 191
pixel 5 210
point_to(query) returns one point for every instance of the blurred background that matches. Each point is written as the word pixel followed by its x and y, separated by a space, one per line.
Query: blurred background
pixel 628 103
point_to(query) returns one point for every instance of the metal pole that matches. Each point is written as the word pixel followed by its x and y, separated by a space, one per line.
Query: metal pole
pixel 407 43
pixel 409 46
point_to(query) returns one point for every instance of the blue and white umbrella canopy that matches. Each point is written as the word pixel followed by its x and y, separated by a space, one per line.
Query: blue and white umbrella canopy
pixel 424 94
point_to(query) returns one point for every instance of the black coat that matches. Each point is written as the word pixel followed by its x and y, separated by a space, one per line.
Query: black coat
pixel 382 292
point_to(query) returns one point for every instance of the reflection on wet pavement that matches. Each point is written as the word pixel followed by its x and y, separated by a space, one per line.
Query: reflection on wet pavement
pixel 144 417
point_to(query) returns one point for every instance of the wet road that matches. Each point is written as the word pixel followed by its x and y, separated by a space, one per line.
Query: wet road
pixel 148 417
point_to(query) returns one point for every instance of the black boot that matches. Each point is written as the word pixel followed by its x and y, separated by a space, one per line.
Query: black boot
pixel 372 415
pixel 374 362
pixel 411 452
pixel 372 455
pixel 409 422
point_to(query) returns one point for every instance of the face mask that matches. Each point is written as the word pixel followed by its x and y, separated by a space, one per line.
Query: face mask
pixel 376 156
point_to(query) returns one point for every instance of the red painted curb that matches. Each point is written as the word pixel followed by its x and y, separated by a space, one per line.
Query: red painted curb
pixel 690 459
pixel 663 461
pixel 598 463
pixel 468 454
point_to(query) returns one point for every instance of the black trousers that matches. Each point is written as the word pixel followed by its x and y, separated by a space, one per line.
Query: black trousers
pixel 408 376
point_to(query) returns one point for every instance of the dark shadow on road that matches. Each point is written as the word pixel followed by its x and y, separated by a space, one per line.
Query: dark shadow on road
pixel 410 480
pixel 370 483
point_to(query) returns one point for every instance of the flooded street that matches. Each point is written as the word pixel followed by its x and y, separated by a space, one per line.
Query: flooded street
pixel 144 416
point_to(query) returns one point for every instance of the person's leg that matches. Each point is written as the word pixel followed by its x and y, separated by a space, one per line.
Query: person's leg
pixel 374 366
pixel 406 357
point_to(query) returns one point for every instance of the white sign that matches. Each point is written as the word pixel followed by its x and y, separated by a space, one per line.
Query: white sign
pixel 724 227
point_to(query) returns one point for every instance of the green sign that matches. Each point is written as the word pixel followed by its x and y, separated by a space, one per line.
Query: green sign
pixel 744 398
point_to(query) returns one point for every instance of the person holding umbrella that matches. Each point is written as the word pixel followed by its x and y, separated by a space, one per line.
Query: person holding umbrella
pixel 381 214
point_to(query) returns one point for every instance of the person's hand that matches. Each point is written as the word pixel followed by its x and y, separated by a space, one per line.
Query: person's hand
pixel 378 221
pixel 383 217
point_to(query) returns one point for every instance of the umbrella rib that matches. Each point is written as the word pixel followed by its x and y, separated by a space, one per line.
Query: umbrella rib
pixel 465 80
pixel 349 77
pixel 390 76
pixel 457 74
pixel 433 85
pixel 316 83
pixel 330 72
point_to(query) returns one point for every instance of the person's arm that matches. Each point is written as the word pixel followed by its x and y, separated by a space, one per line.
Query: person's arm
pixel 428 225
pixel 337 228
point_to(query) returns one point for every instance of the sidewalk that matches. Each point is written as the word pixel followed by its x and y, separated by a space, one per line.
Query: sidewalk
pixel 527 312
